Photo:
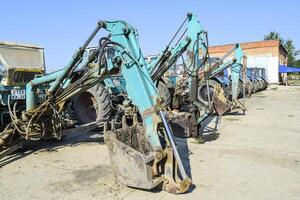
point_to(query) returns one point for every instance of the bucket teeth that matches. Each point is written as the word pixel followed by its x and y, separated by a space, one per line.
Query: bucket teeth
pixel 177 188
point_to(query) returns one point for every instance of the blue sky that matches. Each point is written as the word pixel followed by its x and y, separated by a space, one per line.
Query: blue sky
pixel 62 26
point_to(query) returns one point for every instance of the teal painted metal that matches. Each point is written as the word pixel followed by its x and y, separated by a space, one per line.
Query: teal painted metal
pixel 166 59
pixel 31 86
pixel 116 84
pixel 194 40
pixel 215 71
pixel 235 71
pixel 199 41
pixel 139 85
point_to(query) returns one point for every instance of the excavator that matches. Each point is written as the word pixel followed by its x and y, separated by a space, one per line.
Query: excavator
pixel 194 95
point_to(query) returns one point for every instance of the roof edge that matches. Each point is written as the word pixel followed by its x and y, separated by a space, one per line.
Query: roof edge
pixel 17 44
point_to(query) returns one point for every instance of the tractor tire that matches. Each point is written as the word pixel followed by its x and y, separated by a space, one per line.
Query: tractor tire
pixel 164 93
pixel 92 105
pixel 202 90
pixel 249 88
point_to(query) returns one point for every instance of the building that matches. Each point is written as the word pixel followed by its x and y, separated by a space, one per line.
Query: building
pixel 268 54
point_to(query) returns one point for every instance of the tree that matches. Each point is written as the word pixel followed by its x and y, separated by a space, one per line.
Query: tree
pixel 297 63
pixel 273 35
pixel 288 45
pixel 290 48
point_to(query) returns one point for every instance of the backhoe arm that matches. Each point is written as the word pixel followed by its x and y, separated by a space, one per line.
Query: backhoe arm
pixel 235 71
pixel 193 41
pixel 235 63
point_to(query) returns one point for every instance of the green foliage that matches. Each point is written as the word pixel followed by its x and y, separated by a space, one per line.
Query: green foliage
pixel 288 45
pixel 297 63
pixel 273 35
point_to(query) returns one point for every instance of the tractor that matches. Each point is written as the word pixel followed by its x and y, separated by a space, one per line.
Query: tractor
pixel 19 64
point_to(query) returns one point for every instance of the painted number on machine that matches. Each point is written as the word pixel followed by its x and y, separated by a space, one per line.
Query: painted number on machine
pixel 17 94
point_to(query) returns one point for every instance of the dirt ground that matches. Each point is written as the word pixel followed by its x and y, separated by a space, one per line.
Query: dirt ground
pixel 255 156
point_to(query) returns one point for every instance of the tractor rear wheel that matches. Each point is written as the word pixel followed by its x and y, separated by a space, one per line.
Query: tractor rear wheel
pixel 203 93
pixel 92 105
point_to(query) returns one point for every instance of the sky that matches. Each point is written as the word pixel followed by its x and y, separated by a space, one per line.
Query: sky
pixel 61 26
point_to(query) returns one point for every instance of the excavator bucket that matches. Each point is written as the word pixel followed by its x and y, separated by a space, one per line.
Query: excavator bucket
pixel 137 166
pixel 220 103
pixel 132 168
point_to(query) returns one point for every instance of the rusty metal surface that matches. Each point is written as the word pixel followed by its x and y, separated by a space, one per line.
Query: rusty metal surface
pixel 220 103
pixel 132 168
pixel 172 183
pixel 184 125
pixel 141 169
pixel 220 107
pixel 237 104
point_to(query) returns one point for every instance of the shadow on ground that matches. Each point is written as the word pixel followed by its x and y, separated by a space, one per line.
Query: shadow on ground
pixel 30 147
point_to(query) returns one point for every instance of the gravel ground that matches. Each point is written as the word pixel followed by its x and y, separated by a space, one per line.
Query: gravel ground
pixel 254 156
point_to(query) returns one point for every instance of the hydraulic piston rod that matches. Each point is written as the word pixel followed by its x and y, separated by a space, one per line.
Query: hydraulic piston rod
pixel 173 145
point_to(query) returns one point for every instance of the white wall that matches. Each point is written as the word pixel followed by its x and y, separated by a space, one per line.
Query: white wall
pixel 267 61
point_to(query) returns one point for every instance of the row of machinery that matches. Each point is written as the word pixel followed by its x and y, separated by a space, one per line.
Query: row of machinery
pixel 136 102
